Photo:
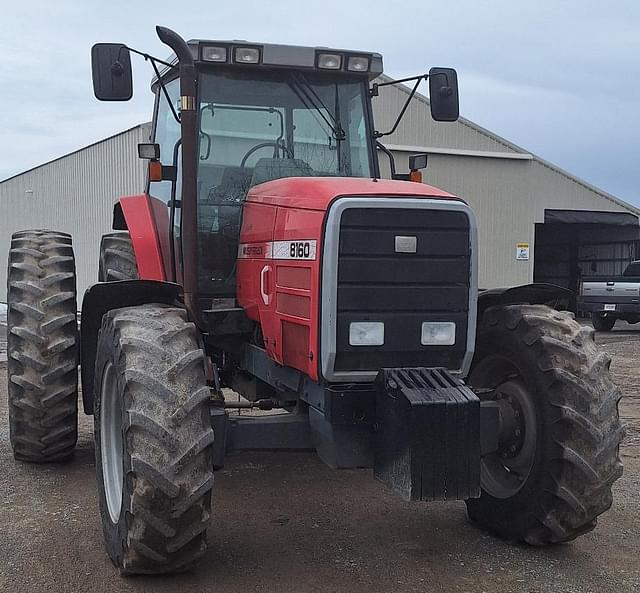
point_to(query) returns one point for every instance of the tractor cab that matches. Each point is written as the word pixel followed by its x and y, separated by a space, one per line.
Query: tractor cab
pixel 264 112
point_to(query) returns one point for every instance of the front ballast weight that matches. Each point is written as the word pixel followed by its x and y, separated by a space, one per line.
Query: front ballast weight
pixel 427 435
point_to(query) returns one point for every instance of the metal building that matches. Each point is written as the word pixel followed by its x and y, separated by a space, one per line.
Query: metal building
pixel 536 222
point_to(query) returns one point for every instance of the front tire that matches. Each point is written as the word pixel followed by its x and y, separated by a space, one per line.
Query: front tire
pixel 602 323
pixel 153 440
pixel 552 475
pixel 42 346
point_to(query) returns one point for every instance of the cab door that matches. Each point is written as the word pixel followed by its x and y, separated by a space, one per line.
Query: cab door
pixel 165 195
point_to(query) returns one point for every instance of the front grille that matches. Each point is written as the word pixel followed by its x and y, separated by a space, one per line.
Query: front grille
pixel 376 283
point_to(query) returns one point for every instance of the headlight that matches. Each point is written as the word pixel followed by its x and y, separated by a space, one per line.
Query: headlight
pixel 438 333
pixel 366 333
pixel 330 61
pixel 246 55
pixel 214 54
pixel 358 64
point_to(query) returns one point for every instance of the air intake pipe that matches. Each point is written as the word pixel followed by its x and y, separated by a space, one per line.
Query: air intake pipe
pixel 189 200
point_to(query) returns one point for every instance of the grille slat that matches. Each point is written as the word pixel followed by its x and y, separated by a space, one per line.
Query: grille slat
pixel 404 270
pixel 420 297
pixel 400 218
pixel 442 243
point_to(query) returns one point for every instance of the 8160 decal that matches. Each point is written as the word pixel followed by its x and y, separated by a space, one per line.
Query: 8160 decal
pixel 300 249
pixel 294 250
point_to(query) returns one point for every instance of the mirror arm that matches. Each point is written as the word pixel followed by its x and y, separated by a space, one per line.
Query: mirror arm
pixel 154 61
pixel 418 80
pixel 373 91
pixel 151 58
pixel 176 116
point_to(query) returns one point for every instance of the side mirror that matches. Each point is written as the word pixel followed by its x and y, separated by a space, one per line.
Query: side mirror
pixel 443 94
pixel 149 151
pixel 111 72
pixel 418 161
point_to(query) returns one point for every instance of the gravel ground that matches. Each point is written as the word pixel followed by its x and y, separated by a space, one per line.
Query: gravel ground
pixel 284 522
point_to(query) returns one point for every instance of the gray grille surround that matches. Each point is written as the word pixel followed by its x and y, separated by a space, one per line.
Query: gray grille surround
pixel 330 278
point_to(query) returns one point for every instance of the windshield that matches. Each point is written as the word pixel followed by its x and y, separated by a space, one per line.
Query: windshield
pixel 259 126
pixel 315 122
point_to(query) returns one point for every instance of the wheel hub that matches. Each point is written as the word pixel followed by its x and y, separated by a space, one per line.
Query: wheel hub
pixel 111 442
pixel 504 472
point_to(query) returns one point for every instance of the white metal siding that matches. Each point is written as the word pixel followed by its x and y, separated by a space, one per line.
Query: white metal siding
pixel 74 194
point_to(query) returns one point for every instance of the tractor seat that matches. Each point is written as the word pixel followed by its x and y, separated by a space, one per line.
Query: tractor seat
pixel 232 187
pixel 221 193
pixel 270 169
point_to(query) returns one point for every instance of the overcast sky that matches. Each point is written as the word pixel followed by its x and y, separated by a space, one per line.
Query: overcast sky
pixel 559 78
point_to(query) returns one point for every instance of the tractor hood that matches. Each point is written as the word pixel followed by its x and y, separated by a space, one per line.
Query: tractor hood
pixel 316 193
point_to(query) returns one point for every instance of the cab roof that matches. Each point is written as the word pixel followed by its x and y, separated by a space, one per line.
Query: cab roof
pixel 273 55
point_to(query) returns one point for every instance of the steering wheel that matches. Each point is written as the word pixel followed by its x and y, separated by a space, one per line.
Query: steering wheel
pixel 276 148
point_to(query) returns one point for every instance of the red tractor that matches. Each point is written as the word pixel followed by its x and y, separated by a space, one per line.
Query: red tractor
pixel 267 256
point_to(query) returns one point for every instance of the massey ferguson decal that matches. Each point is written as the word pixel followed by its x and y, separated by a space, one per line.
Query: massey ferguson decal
pixel 251 250
pixel 279 250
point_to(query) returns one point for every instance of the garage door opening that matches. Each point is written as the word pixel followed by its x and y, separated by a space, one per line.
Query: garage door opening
pixel 574 244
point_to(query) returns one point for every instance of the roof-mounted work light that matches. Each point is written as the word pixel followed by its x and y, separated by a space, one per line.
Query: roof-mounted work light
pixel 330 61
pixel 246 55
pixel 358 64
pixel 211 53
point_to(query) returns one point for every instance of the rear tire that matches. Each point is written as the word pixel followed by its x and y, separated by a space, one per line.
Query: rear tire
pixel 117 258
pixel 550 363
pixel 602 323
pixel 153 439
pixel 42 346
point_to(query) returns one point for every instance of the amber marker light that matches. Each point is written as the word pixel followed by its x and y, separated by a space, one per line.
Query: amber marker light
pixel 415 176
pixel 155 171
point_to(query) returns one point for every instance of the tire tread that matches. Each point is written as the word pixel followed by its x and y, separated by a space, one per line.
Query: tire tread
pixel 42 344
pixel 117 258
pixel 584 424
pixel 171 463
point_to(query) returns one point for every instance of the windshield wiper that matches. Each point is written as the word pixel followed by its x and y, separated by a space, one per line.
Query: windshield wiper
pixel 307 94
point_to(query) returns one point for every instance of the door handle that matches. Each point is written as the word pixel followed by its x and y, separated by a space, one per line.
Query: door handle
pixel 264 285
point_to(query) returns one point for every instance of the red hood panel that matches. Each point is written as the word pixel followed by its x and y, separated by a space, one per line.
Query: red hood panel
pixel 316 193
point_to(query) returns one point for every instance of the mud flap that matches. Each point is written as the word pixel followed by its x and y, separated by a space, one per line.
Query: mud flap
pixel 427 435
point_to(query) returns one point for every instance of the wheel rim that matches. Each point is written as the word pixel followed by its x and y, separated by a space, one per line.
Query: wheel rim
pixel 504 473
pixel 111 442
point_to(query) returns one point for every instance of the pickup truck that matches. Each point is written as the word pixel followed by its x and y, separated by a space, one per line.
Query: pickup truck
pixel 611 298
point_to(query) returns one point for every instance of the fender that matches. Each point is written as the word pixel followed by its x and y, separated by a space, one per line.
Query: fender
pixel 140 215
pixel 533 294
pixel 103 297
